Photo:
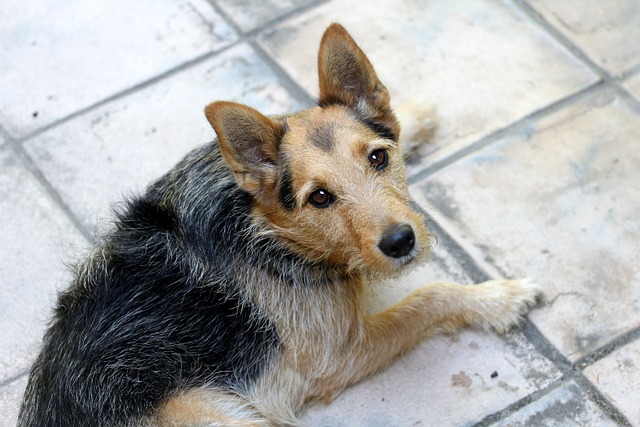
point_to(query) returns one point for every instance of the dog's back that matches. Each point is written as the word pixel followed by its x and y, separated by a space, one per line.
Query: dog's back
pixel 138 324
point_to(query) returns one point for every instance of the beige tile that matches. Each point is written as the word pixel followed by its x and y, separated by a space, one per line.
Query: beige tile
pixel 558 202
pixel 617 376
pixel 250 14
pixel 119 149
pixel 37 239
pixel 607 31
pixel 445 381
pixel 10 399
pixel 59 57
pixel 566 406
pixel 482 64
pixel 633 86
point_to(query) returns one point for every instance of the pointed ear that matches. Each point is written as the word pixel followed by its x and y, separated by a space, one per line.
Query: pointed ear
pixel 249 143
pixel 348 78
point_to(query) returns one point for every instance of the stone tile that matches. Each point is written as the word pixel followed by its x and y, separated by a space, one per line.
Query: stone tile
pixel 10 400
pixel 444 381
pixel 99 157
pixel 566 406
pixel 443 369
pixel 67 56
pixel 617 376
pixel 558 202
pixel 250 14
pixel 36 239
pixel 633 86
pixel 608 32
pixel 483 64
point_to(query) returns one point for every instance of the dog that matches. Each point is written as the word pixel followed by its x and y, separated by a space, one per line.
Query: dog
pixel 231 292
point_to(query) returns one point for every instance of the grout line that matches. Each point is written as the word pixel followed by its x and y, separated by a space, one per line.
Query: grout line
pixel 7 381
pixel 128 91
pixel 628 97
pixel 288 15
pixel 250 37
pixel 476 273
pixel 266 25
pixel 241 37
pixel 615 81
pixel 519 404
pixel 545 347
pixel 500 133
pixel 631 72
pixel 608 348
pixel 539 18
pixel 50 190
pixel 285 78
pixel 600 399
pixel 591 393
pixel 5 136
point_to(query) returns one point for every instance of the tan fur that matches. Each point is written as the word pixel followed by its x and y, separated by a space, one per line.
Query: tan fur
pixel 208 407
pixel 328 342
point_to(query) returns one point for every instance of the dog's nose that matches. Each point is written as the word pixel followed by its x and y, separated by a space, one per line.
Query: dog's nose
pixel 397 241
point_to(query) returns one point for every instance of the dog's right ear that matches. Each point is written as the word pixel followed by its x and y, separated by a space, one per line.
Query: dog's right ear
pixel 347 77
pixel 249 143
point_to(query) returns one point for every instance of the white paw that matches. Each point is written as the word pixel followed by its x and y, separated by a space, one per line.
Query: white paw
pixel 503 303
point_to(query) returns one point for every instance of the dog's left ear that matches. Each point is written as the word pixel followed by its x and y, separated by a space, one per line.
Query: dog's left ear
pixel 347 78
pixel 249 143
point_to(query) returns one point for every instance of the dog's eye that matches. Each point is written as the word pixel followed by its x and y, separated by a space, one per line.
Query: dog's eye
pixel 321 198
pixel 379 159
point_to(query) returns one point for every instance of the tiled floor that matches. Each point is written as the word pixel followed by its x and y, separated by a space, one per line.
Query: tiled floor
pixel 534 171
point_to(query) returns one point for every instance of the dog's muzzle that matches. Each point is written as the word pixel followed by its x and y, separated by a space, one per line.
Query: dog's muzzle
pixel 397 241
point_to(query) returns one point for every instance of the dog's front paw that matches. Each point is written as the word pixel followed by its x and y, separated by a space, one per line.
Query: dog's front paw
pixel 503 303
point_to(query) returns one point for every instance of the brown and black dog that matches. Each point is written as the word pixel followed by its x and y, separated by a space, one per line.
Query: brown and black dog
pixel 231 292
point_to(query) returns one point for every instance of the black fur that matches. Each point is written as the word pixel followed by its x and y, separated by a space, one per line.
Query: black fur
pixel 286 195
pixel 380 129
pixel 158 307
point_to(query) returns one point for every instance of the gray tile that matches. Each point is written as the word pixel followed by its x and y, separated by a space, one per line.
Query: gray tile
pixel 633 86
pixel 427 386
pixel 36 239
pixel 608 32
pixel 444 381
pixel 250 14
pixel 483 64
pixel 566 406
pixel 99 157
pixel 10 399
pixel 558 202
pixel 618 378
pixel 67 56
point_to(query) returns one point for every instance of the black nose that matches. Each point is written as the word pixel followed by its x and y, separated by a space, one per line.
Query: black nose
pixel 397 241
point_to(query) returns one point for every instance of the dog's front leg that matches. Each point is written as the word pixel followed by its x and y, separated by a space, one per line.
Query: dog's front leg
pixel 494 305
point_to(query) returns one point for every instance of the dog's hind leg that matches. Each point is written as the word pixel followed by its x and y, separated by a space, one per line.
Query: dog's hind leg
pixel 208 408
pixel 495 305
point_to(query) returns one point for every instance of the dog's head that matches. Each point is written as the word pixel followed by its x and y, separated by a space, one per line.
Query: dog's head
pixel 329 181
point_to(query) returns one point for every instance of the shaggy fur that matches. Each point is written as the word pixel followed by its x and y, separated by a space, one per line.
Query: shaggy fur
pixel 231 292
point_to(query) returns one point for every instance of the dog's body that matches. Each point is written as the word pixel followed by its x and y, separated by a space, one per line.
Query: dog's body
pixel 231 292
